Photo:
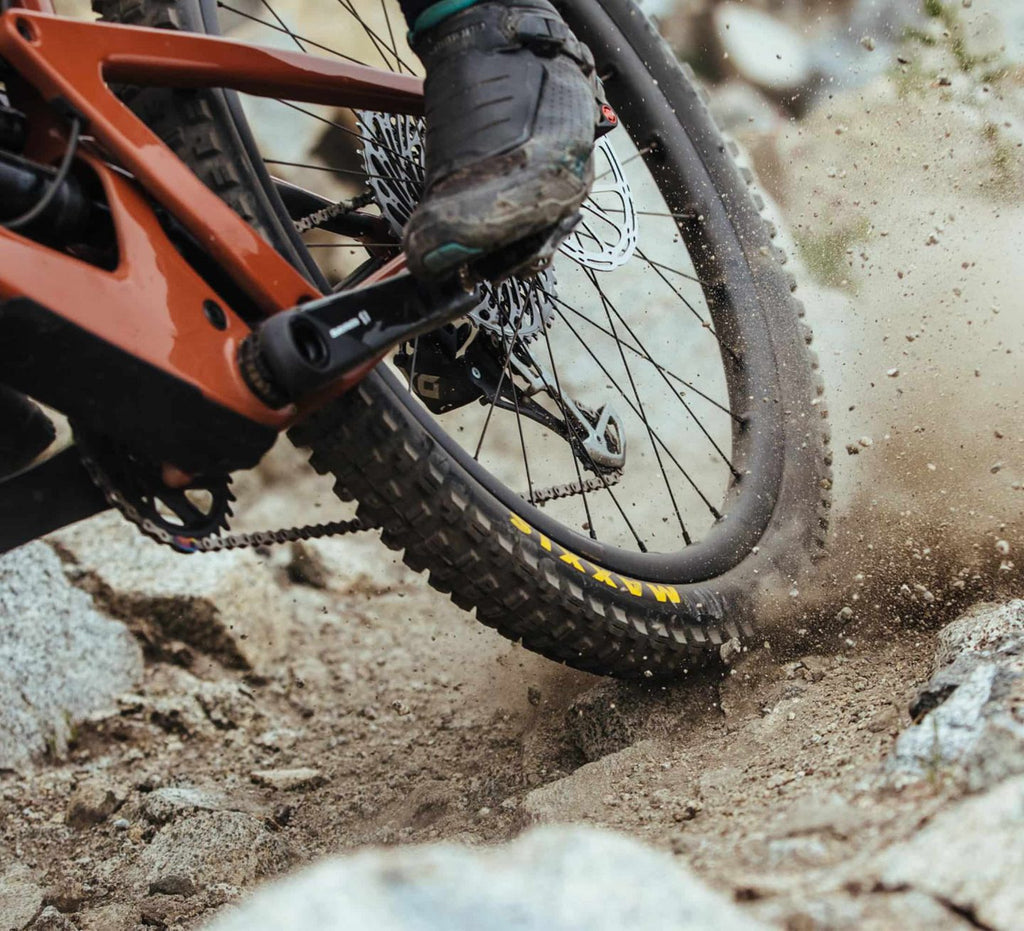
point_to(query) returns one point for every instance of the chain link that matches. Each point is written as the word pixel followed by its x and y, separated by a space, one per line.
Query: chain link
pixel 569 489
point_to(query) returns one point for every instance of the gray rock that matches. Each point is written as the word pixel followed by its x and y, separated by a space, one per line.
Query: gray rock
pixel 20 898
pixel 971 856
pixel 970 715
pixel 551 879
pixel 60 659
pixel 288 780
pixel 988 629
pixel 224 604
pixel 170 802
pixel 591 792
pixel 93 801
pixel 117 916
pixel 211 847
pixel 820 814
pixel 49 919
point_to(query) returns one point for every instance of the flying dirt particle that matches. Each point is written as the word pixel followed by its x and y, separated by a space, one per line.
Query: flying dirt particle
pixel 995 467
pixel 1002 547
pixel 932 466
pixel 866 442
pixel 846 612
pixel 533 695
pixel 868 43
pixel 893 373
pixel 853 449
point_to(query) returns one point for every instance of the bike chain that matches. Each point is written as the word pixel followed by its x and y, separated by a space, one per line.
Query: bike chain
pixel 540 496
pixel 213 543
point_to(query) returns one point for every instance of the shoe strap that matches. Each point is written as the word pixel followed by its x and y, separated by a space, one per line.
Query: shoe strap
pixel 547 36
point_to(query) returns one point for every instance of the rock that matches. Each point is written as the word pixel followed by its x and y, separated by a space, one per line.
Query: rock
pixel 224 604
pixel 551 879
pixel 970 715
pixel 588 793
pixel 20 898
pixel 61 661
pixel 93 801
pixel 761 49
pixel 167 803
pixel 989 629
pixel 613 715
pixel 49 919
pixel 971 856
pixel 829 814
pixel 287 780
pixel 211 847
pixel 118 916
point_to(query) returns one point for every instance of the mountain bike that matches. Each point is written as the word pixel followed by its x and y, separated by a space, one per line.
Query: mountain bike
pixel 611 452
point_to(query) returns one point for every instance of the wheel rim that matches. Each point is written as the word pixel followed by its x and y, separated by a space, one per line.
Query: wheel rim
pixel 690 459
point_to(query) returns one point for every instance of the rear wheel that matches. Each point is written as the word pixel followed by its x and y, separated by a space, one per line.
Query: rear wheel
pixel 609 462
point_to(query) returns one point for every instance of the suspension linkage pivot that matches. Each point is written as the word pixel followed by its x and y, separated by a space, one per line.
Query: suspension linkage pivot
pixel 298 353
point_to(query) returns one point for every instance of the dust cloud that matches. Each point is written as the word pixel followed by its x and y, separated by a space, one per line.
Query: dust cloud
pixel 907 210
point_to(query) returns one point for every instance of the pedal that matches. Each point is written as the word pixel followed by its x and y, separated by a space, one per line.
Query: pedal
pixel 300 352
pixel 525 257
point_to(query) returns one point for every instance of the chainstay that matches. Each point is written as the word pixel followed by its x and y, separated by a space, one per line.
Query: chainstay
pixel 213 543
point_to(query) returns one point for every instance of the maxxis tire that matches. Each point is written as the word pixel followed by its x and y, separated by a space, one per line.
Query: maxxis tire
pixel 520 582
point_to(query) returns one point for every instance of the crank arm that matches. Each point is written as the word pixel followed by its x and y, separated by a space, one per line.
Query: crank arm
pixel 300 352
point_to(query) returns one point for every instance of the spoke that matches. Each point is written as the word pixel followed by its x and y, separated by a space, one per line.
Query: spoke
pixel 377 41
pixel 714 511
pixel 645 356
pixel 579 477
pixel 608 307
pixel 351 132
pixel 391 33
pixel 295 36
pixel 337 171
pixel 675 271
pixel 501 381
pixel 283 25
pixel 522 444
pixel 682 400
pixel 572 449
pixel 638 154
pixel 662 213
pixel 693 310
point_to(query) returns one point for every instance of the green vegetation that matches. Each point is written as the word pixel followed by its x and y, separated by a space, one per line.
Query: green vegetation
pixel 827 253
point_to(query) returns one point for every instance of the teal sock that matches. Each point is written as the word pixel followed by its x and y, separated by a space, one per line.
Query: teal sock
pixel 437 12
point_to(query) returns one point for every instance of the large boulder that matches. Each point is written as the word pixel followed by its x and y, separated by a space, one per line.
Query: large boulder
pixel 970 715
pixel 60 659
pixel 970 856
pixel 551 879
pixel 224 604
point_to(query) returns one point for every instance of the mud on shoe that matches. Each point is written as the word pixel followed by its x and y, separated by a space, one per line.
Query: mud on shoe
pixel 511 113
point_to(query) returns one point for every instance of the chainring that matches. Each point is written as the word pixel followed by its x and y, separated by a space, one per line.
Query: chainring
pixel 133 485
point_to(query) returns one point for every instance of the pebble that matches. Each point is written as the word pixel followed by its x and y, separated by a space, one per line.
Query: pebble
pixel 92 801
pixel 288 780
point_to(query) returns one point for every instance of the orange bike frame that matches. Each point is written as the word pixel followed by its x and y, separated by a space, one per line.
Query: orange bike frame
pixel 151 304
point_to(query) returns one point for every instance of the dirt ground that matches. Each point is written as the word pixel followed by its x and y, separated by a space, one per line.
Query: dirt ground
pixel 422 724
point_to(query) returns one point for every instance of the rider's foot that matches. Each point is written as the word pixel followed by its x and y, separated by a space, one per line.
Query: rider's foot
pixel 511 114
